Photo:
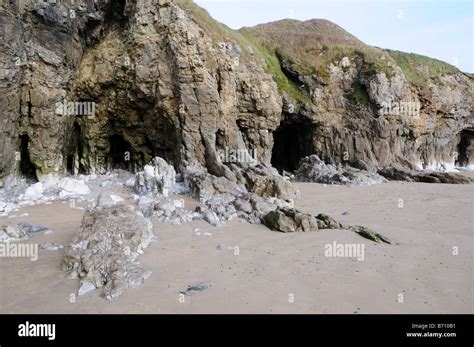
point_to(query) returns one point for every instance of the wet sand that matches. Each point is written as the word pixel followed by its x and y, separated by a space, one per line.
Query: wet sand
pixel 275 272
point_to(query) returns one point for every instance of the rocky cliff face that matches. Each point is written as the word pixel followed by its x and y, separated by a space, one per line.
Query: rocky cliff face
pixel 111 84
pixel 367 107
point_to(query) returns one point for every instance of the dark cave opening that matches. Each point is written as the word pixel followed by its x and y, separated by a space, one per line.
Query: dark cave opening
pixel 74 164
pixel 70 164
pixel 465 148
pixel 27 169
pixel 292 142
pixel 121 153
pixel 116 11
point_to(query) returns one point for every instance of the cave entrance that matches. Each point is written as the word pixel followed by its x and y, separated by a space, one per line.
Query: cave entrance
pixel 121 153
pixel 292 142
pixel 465 148
pixel 74 164
pixel 27 168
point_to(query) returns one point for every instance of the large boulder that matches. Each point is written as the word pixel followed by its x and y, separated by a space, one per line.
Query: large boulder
pixel 313 169
pixel 69 186
pixel 205 186
pixel 103 252
pixel 158 177
pixel 273 187
pixel 19 232
pixel 288 220
pixel 400 173
pixel 34 191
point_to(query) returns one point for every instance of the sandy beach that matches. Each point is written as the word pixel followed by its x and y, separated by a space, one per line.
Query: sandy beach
pixel 262 271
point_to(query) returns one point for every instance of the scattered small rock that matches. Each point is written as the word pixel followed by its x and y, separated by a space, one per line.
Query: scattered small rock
pixel 370 234
pixel 51 246
pixel 225 248
pixel 196 288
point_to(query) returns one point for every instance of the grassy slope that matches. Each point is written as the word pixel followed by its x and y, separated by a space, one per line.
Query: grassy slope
pixel 309 47
pixel 221 33
pixel 418 68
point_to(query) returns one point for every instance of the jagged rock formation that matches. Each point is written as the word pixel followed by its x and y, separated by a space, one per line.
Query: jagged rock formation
pixel 88 87
pixel 313 169
pixel 399 173
pixel 157 178
pixel 103 252
pixel 19 232
pixel 288 220
pixel 362 106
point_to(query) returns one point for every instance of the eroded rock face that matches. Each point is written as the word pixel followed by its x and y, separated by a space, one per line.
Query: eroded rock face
pixel 313 169
pixel 89 87
pixel 158 177
pixel 290 220
pixel 156 82
pixel 19 232
pixel 103 252
pixel 399 173
pixel 371 136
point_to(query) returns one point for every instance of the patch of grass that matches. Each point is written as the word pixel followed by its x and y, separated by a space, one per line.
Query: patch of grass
pixel 313 45
pixel 310 47
pixel 359 94
pixel 284 84
pixel 217 31
pixel 221 33
pixel 418 69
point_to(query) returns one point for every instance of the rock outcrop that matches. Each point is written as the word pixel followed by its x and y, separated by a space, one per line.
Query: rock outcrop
pixel 370 234
pixel 399 173
pixel 158 177
pixel 19 232
pixel 103 252
pixel 352 104
pixel 290 220
pixel 313 169
pixel 89 87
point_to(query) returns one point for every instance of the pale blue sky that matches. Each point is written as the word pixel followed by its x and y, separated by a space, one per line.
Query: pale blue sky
pixel 441 29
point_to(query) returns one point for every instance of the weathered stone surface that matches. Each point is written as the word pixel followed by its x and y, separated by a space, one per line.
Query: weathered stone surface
pixel 363 109
pixel 51 246
pixel 105 200
pixel 399 173
pixel 250 207
pixel 196 288
pixel 313 169
pixel 167 210
pixel 289 220
pixel 18 232
pixel 34 191
pixel 370 234
pixel 272 187
pixel 103 252
pixel 69 186
pixel 152 78
pixel 205 186
pixel 327 222
pixel 158 177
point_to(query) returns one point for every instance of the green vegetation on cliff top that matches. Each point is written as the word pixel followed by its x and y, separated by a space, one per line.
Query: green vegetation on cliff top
pixel 418 68
pixel 310 47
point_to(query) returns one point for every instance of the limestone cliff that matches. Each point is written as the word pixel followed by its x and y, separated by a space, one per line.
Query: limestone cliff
pixel 111 84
